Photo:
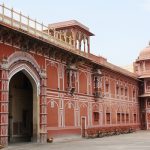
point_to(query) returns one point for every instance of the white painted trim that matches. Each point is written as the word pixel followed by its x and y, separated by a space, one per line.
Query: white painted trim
pixel 19 55
pixel 36 94
pixel 28 72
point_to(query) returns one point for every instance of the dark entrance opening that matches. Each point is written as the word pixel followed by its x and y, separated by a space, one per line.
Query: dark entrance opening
pixel 20 108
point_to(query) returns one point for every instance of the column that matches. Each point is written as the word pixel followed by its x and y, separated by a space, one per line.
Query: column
pixel 88 44
pixel 43 109
pixel 84 44
pixel 74 35
pixel 125 121
pixel 3 103
pixel 80 40
pixel 61 111
pixel 77 124
pixel 80 45
pixel 65 35
pixel 146 119
pixel 90 112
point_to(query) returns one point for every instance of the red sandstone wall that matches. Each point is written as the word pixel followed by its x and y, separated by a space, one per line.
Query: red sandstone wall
pixel 52 76
pixel 82 82
pixel 65 111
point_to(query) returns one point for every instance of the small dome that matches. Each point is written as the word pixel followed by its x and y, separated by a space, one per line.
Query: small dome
pixel 145 53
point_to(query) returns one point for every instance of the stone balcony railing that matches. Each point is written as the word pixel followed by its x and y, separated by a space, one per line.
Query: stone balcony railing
pixel 22 23
pixel 25 24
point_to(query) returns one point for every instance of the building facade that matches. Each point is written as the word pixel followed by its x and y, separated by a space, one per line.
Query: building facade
pixel 51 85
pixel 141 68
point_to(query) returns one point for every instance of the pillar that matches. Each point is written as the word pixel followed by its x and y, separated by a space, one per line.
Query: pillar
pixel 43 109
pixel 146 116
pixel 88 44
pixel 74 35
pixel 4 103
pixel 84 44
pixel 80 45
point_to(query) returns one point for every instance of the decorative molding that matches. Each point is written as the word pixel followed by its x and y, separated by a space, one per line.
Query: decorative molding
pixel 23 56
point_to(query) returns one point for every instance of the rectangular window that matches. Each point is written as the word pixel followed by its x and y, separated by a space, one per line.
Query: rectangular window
pixel 127 118
pixel 133 93
pixel 117 90
pixel 134 118
pixel 123 118
pixel 121 91
pixel 118 117
pixel 96 116
pixel 108 118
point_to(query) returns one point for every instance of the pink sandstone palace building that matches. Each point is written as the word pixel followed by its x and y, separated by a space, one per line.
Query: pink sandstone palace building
pixel 51 85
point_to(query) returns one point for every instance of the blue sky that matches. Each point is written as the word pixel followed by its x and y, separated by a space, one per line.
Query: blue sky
pixel 121 27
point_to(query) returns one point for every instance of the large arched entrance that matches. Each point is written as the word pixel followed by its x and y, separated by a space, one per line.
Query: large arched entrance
pixel 20 108
pixel 17 66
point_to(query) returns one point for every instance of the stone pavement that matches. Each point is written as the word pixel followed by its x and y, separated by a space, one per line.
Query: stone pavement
pixel 134 141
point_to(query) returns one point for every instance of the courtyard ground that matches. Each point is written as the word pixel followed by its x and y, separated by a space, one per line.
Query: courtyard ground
pixel 134 141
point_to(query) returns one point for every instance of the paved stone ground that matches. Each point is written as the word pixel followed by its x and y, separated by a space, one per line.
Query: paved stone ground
pixel 134 141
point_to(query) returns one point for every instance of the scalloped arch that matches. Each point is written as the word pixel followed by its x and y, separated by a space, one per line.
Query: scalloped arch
pixel 23 56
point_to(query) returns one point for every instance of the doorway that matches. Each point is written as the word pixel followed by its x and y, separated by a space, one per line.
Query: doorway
pixel 83 126
pixel 20 108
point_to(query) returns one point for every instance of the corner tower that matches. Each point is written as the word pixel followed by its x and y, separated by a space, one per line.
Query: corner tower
pixel 142 69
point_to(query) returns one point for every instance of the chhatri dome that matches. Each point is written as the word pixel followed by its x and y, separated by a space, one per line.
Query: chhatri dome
pixel 142 64
pixel 145 53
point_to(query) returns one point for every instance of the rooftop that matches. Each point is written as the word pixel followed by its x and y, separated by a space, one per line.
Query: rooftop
pixel 36 30
pixel 70 24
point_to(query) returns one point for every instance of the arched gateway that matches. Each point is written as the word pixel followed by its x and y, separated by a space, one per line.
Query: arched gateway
pixel 23 104
pixel 21 108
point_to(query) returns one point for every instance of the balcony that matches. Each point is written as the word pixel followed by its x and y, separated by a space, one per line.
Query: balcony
pixel 98 94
